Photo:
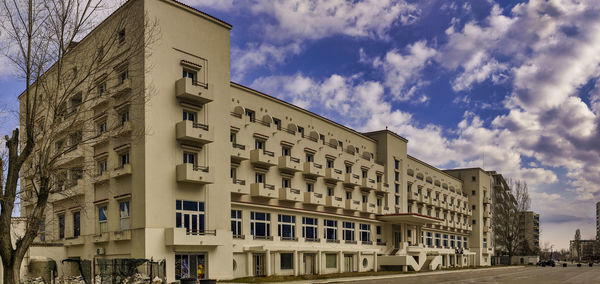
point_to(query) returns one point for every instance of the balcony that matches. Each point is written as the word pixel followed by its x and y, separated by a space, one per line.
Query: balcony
pixel 194 132
pixel 369 207
pixel 424 198
pixel 314 198
pixel 122 87
pixel 100 178
pixel 239 152
pixel 486 229
pixel 486 200
pixel 382 209
pixel 194 174
pixel 74 241
pixel 334 201
pixel 71 154
pixel 313 169
pixel 101 238
pixel 263 190
pixel 123 170
pixel 289 164
pixel 184 237
pixel 262 158
pixel 352 179
pixel 239 186
pixel 124 235
pixel 368 184
pixel 353 205
pixel 486 214
pixel 382 185
pixel 186 88
pixel 334 174
pixel 123 129
pixel 290 194
pixel 413 196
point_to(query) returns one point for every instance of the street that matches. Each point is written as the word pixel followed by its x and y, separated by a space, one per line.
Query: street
pixel 531 274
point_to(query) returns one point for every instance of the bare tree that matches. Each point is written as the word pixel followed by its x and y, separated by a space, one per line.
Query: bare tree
pixel 70 71
pixel 507 216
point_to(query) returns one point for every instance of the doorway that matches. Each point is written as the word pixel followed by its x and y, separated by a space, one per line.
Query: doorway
pixel 397 239
pixel 348 263
pixel 309 264
pixel 190 266
pixel 258 262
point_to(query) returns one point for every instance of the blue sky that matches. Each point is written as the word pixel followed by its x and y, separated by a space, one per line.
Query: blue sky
pixel 511 86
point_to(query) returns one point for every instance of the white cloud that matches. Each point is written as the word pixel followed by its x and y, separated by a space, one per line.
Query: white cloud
pixel 403 71
pixel 255 55
pixel 211 4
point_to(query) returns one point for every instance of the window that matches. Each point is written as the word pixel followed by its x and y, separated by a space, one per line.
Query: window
pixel 348 169
pixel 124 214
pixel 330 260
pixel 309 228
pixel 348 195
pixel 101 88
pixel 459 241
pixel 287 260
pixel 428 239
pixel 473 192
pixel 102 167
pixel 102 127
pixel 330 191
pixel 309 187
pixel 277 122
pixel 189 158
pixel 236 223
pixel 378 178
pixel 473 178
pixel 61 226
pixel 122 36
pixel 329 163
pixel 251 114
pixel 473 207
pixel 484 242
pixel 190 266
pixel 452 241
pixel 42 231
pixel 189 115
pixel 259 178
pixel 310 157
pixel 364 174
pixel 286 228
pixel 286 183
pixel 233 173
pixel 102 219
pixel 190 215
pixel 397 187
pixel 260 225
pixel 397 176
pixel 465 243
pixel 259 144
pixel 286 151
pixel 397 200
pixel 409 187
pixel 445 240
pixel 123 76
pixel 233 137
pixel 348 231
pixel 123 159
pixel 474 222
pixel 364 199
pixel 379 202
pixel 437 240
pixel 365 232
pixel 330 229
pixel 301 130
pixel 378 230
pixel 124 116
pixel 187 73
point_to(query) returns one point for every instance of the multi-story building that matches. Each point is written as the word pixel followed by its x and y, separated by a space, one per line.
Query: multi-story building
pixel 228 182
pixel 530 233
pixel 598 221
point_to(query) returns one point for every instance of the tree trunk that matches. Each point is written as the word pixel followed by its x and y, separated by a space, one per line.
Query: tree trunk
pixel 12 272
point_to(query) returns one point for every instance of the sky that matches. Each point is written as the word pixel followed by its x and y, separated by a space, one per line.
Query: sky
pixel 510 86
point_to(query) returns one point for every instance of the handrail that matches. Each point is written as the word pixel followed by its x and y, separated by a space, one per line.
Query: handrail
pixel 239 181
pixel 312 239
pixel 318 195
pixel 201 126
pixel 201 168
pixel 269 186
pixel 288 131
pixel 338 198
pixel 268 153
pixel 296 191
pixel 263 237
pixel 339 172
pixel 318 166
pixel 356 202
pixel 239 146
pixel 355 176
pixel 334 146
pixel 312 139
pixel 201 232
pixel 371 180
pixel 238 115
pixel 263 122
pixel 295 160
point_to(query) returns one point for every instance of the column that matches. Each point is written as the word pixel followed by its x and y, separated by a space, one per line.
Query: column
pixel 375 268
pixel 249 264
pixel 300 263
pixel 340 261
pixel 319 263
pixel 296 263
pixel 358 262
pixel 268 263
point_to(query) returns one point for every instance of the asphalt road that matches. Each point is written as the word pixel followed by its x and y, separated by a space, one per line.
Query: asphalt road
pixel 517 275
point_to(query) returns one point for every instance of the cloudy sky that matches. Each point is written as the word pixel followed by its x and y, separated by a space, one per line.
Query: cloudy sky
pixel 510 86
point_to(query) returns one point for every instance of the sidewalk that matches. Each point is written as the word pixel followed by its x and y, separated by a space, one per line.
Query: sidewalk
pixel 390 276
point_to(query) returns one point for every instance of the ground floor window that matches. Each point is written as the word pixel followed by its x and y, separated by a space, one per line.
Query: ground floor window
pixel 190 266
pixel 236 223
pixel 309 228
pixel 348 233
pixel 287 260
pixel 331 260
pixel 452 241
pixel 445 240
pixel 260 225
pixel 459 241
pixel 437 240
pixel 330 229
pixel 287 227
pixel 428 239
pixel 365 232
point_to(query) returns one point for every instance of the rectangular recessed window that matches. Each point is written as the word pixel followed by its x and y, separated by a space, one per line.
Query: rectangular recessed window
pixel 236 223
pixel 102 219
pixel 260 224
pixel 331 260
pixel 286 228
pixel 190 215
pixel 61 226
pixel 124 215
pixel 330 229
pixel 365 232
pixel 287 260
pixel 348 231
pixel 309 228
pixel 76 224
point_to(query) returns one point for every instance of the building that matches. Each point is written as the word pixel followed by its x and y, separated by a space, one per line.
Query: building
pixel 587 248
pixel 530 233
pixel 598 221
pixel 229 182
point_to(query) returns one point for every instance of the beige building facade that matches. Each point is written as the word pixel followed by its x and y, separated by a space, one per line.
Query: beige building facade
pixel 228 182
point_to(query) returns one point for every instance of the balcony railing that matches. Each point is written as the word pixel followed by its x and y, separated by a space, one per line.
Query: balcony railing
pixel 268 153
pixel 239 146
pixel 267 124
pixel 239 181
pixel 201 232
pixel 269 186
pixel 289 131
pixel 238 115
pixel 201 126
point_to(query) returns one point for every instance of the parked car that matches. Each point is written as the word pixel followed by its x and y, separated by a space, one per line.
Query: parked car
pixel 548 262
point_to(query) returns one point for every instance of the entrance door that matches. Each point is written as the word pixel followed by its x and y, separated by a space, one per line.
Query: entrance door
pixel 309 264
pixel 348 263
pixel 397 239
pixel 258 260
pixel 190 266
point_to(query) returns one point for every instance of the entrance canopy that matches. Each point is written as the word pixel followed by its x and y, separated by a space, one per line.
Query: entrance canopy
pixel 409 218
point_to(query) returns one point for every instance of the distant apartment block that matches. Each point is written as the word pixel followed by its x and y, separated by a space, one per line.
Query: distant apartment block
pixel 230 182
pixel 530 234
